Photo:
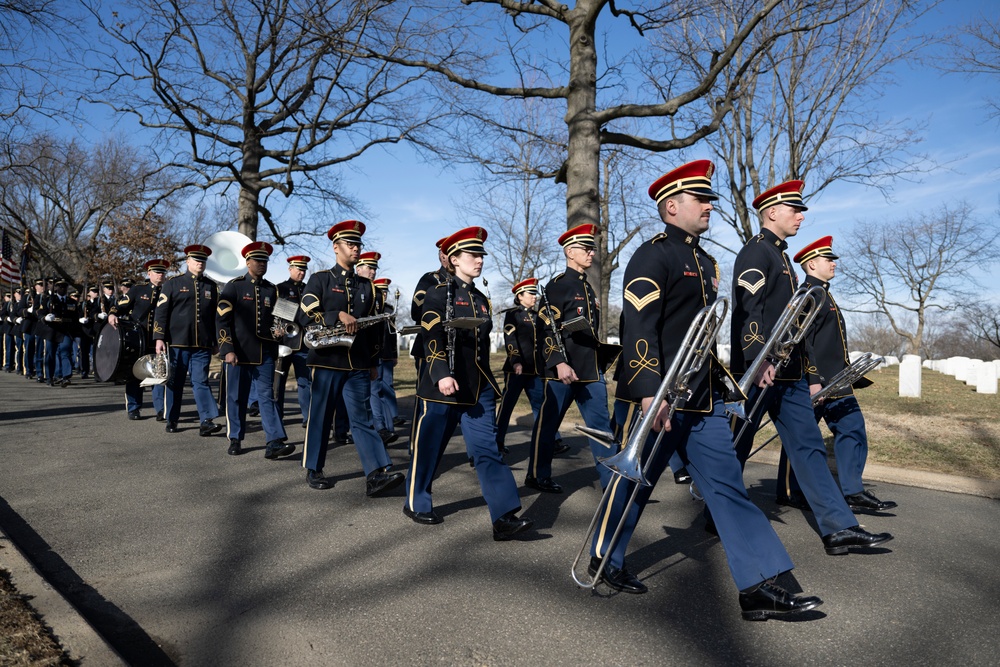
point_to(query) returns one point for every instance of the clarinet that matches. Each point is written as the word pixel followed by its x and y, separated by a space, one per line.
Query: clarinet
pixel 449 314
pixel 552 325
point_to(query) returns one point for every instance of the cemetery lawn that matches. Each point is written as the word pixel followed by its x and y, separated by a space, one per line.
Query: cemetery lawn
pixel 950 429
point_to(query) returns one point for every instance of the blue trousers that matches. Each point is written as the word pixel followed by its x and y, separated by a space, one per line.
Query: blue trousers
pixel 513 385
pixel 239 379
pixel 42 357
pixel 12 351
pixel 384 397
pixel 196 360
pixel 850 446
pixel 355 387
pixel 790 408
pixel 64 358
pixel 297 362
pixel 704 445
pixel 29 354
pixel 134 393
pixel 592 400
pixel 435 423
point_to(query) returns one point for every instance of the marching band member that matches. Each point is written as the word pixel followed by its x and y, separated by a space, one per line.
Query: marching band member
pixel 339 297
pixel 59 313
pixel 765 282
pixel 292 290
pixel 368 268
pixel 384 405
pixel 668 280
pixel 185 320
pixel 826 345
pixel 38 328
pixel 520 372
pixel 249 348
pixel 457 386
pixel 139 305
pixel 573 362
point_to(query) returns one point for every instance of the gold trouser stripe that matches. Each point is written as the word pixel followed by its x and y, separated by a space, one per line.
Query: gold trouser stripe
pixel 533 472
pixel 309 421
pixel 229 378
pixel 606 515
pixel 415 450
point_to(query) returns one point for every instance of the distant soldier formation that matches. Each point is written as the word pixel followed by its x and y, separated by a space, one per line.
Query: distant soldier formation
pixel 675 403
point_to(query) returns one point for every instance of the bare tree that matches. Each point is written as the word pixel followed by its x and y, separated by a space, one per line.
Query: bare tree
pixel 917 266
pixel 549 51
pixel 26 88
pixel 258 94
pixel 976 51
pixel 982 320
pixel 806 110
pixel 872 333
pixel 67 195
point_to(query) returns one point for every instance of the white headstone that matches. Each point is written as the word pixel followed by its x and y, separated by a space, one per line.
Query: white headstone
pixel 909 376
pixel 986 379
pixel 972 370
pixel 853 356
pixel 893 361
pixel 959 368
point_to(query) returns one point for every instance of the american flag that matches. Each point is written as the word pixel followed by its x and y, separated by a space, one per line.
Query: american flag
pixel 10 270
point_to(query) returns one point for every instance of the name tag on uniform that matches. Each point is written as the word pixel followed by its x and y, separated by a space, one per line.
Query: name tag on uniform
pixel 691 274
pixel 248 297
pixel 459 302
pixel 144 297
pixel 338 290
pixel 185 289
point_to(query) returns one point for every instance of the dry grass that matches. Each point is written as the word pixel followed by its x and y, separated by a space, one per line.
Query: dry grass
pixel 24 639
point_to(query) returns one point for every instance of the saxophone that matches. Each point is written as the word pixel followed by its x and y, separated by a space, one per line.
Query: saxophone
pixel 319 336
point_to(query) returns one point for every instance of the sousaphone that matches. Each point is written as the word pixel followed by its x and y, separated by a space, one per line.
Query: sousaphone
pixel 226 261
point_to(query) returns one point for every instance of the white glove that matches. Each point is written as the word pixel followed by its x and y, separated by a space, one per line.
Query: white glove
pixel 102 316
pixel 83 320
pixel 18 320
pixel 50 317
pixel 31 310
pixel 284 351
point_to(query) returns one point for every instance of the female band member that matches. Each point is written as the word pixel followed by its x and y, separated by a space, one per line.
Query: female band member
pixel 457 386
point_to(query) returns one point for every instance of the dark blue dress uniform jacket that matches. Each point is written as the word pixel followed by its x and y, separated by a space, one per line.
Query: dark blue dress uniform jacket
pixel 668 280
pixel 139 305
pixel 329 293
pixel 427 282
pixel 763 285
pixel 826 342
pixel 185 312
pixel 245 320
pixel 519 332
pixel 472 346
pixel 293 291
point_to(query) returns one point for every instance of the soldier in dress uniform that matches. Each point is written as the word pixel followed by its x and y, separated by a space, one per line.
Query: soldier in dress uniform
pixel 85 309
pixel 765 282
pixel 520 372
pixel 248 346
pixel 826 351
pixel 25 327
pixel 292 290
pixel 60 316
pixel 6 337
pixel 45 352
pixel 669 279
pixel 457 385
pixel 339 297
pixel 384 408
pixel 34 347
pixel 185 320
pixel 572 361
pixel 139 305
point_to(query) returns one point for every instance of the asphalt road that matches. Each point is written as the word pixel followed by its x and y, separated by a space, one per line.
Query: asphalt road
pixel 180 554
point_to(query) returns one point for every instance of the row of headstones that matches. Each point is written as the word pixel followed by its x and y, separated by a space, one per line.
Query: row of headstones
pixel 973 372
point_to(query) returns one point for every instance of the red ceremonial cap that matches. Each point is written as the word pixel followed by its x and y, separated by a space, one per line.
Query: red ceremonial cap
pixel 382 283
pixel 789 192
pixel 259 250
pixel 157 265
pixel 440 242
pixel 694 177
pixel 348 230
pixel 581 235
pixel 819 248
pixel 369 259
pixel 301 261
pixel 199 252
pixel 526 285
pixel 469 239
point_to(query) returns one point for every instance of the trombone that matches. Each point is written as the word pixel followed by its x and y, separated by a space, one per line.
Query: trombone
pixel 845 378
pixel 675 388
pixel 788 332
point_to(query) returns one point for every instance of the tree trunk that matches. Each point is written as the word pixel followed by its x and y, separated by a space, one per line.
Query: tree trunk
pixel 246 212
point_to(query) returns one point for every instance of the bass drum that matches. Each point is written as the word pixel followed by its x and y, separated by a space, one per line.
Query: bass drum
pixel 117 350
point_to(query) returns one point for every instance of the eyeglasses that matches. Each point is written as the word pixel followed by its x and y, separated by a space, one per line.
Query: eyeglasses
pixel 587 251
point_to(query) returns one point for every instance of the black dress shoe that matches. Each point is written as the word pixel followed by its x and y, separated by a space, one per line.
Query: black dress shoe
pixel 768 600
pixel 618 579
pixel 543 484
pixel 235 448
pixel 380 482
pixel 253 410
pixel 559 447
pixel 794 500
pixel 682 477
pixel 398 421
pixel 172 427
pixel 503 450
pixel 134 415
pixel 838 543
pixel 160 417
pixel 426 518
pixel 41 380
pixel 85 376
pixel 343 439
pixel 209 427
pixel 867 501
pixel 317 481
pixel 277 448
pixel 64 382
pixel 510 525
pixel 387 436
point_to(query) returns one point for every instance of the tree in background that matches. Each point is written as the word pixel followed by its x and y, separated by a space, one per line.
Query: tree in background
pixel 805 111
pixel 908 269
pixel 976 50
pixel 263 95
pixel 131 238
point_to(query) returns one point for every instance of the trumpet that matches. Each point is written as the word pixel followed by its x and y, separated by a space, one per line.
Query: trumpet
pixel 674 388
pixel 319 336
pixel 842 380
pixel 284 325
pixel 789 330
pixel 153 369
